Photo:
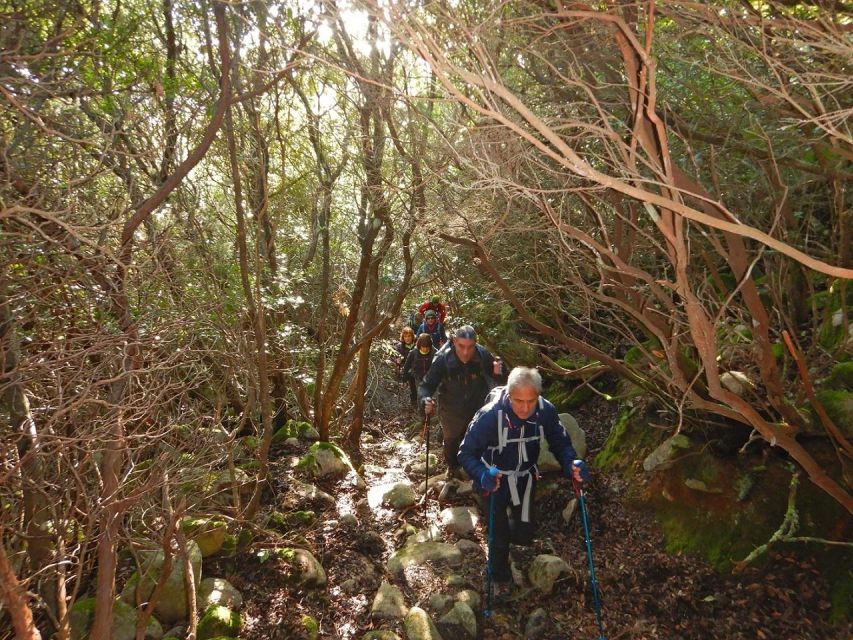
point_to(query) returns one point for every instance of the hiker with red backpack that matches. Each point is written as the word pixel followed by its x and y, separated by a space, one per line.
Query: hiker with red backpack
pixel 435 304
pixel 500 450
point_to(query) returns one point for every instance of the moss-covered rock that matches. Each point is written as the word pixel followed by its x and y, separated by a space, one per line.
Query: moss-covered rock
pixel 311 626
pixel 172 605
pixel 841 377
pixel 328 459
pixel 839 407
pixel 207 533
pixel 218 621
pixel 82 615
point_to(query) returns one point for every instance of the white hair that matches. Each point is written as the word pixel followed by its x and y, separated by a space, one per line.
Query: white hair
pixel 524 377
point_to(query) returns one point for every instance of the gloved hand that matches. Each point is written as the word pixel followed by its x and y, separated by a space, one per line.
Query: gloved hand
pixel 583 471
pixel 490 479
pixel 429 406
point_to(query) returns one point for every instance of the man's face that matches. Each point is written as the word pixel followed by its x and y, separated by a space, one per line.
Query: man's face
pixel 430 321
pixel 464 348
pixel 523 400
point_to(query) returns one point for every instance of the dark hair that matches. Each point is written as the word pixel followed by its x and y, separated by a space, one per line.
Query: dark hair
pixel 424 340
pixel 467 332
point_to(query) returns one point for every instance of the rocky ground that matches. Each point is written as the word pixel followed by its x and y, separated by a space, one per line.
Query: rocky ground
pixel 395 568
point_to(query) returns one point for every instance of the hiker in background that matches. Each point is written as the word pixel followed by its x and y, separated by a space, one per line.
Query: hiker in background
pixel 461 375
pixel 417 364
pixel 434 328
pixel 403 348
pixel 436 305
pixel 414 319
pixel 505 434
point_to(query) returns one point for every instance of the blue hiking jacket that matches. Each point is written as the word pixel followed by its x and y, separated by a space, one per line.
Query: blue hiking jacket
pixel 515 448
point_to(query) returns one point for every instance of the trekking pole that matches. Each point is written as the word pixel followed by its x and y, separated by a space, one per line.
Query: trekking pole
pixel 596 594
pixel 426 438
pixel 487 612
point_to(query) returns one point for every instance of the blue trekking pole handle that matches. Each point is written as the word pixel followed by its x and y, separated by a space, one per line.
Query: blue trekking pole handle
pixel 596 593
pixel 487 612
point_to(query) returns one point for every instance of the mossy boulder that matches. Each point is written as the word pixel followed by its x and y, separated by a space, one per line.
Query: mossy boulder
pixel 172 605
pixel 218 621
pixel 301 567
pixel 207 533
pixel 328 459
pixel 841 377
pixel 82 615
pixel 295 429
pixel 839 407
pixel 311 626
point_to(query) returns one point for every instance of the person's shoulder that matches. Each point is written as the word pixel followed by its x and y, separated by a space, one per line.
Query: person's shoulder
pixel 548 409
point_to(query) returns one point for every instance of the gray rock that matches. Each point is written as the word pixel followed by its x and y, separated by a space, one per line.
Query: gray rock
pixel 123 626
pixel 440 602
pixel 661 458
pixel 737 382
pixel 207 533
pixel 699 485
pixel 380 634
pixel 311 434
pixel 460 520
pixel 350 586
pixel 430 534
pixel 461 618
pixel 218 591
pixel 291 442
pixel 300 492
pixel 465 488
pixel 172 605
pixel 576 434
pixel 469 597
pixel 400 496
pixel 570 509
pixel 544 571
pixel 349 519
pixel 468 547
pixel 434 552
pixel 435 482
pixel 388 603
pixel 419 626
pixel 303 567
pixel 537 624
pixel 418 465
pixel 455 580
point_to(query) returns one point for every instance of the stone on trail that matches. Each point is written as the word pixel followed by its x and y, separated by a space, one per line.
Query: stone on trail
pixel 570 509
pixel 469 597
pixel 400 496
pixel 537 624
pixel 544 571
pixel 207 533
pixel 380 634
pixel 429 534
pixel 388 603
pixel 419 626
pixel 328 459
pixel 662 457
pixel 434 552
pixel 218 591
pixel 699 485
pixel 440 602
pixel 300 492
pixel 436 481
pixel 303 568
pixel 418 465
pixel 468 547
pixel 455 580
pixel 460 520
pixel 465 488
pixel 459 621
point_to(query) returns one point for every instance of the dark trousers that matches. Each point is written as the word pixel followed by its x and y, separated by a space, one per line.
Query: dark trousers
pixel 508 525
pixel 413 389
pixel 453 426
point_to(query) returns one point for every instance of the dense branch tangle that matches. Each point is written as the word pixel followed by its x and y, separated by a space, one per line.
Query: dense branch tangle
pixel 563 119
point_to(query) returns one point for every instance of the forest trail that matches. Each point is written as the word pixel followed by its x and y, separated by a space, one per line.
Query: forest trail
pixel 366 546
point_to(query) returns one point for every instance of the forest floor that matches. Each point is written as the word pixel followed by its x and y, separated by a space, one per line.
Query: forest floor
pixel 647 593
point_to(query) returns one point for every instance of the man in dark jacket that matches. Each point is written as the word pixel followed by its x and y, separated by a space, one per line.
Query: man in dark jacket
pixel 505 434
pixel 434 328
pixel 461 375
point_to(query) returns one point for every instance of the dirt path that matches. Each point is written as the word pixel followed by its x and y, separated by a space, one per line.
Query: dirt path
pixel 647 593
